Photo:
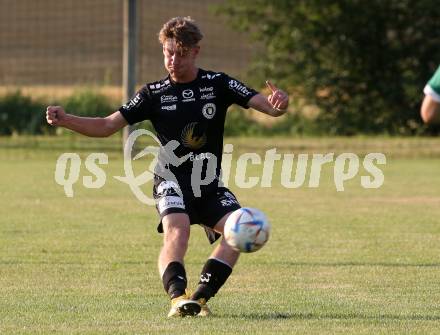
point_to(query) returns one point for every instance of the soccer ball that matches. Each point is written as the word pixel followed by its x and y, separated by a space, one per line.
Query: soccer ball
pixel 247 229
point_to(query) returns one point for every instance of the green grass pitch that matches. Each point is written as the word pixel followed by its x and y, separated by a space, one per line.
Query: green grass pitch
pixel 353 262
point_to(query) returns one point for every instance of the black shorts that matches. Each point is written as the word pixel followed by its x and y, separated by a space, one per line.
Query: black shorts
pixel 206 210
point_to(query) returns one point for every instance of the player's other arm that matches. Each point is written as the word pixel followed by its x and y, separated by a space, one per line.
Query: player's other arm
pixel 89 126
pixel 430 111
pixel 275 104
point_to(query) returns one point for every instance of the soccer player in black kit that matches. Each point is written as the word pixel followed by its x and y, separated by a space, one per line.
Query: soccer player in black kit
pixel 188 106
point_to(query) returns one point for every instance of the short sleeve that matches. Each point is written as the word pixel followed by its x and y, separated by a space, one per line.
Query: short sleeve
pixel 139 108
pixel 432 88
pixel 237 92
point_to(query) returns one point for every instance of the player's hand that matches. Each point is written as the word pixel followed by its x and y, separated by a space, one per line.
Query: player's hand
pixel 55 115
pixel 278 98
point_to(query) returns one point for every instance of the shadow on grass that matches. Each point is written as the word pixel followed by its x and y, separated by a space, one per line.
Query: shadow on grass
pixel 333 316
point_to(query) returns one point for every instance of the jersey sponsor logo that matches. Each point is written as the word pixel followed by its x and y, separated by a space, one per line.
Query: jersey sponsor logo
pixel 211 76
pixel 206 89
pixel 167 187
pixel 230 196
pixel 159 87
pixel 199 157
pixel 228 200
pixel 208 110
pixel 208 96
pixel 168 98
pixel 239 88
pixel 170 202
pixel 160 90
pixel 208 93
pixel 133 102
pixel 169 107
pixel 187 94
pixel 193 136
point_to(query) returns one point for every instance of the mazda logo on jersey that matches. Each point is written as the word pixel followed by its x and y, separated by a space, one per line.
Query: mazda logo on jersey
pixel 208 110
pixel 193 136
pixel 187 94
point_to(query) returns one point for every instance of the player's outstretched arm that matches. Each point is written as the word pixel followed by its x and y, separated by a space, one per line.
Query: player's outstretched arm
pixel 89 126
pixel 275 104
pixel 430 111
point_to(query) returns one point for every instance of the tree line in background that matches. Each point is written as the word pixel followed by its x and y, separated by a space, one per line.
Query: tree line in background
pixel 363 64
pixel 360 66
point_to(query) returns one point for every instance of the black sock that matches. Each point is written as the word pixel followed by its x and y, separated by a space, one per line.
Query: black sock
pixel 174 279
pixel 213 276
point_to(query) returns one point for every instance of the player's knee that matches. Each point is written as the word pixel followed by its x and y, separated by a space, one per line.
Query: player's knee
pixel 228 249
pixel 220 226
pixel 176 229
pixel 177 237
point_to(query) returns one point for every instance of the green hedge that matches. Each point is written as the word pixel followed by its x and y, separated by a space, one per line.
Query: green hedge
pixel 239 124
pixel 21 114
pixel 86 102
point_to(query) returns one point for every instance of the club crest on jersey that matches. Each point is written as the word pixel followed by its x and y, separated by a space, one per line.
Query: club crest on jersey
pixel 208 110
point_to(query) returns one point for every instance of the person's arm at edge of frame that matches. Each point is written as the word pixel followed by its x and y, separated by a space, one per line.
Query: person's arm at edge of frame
pixel 274 105
pixel 89 126
pixel 430 110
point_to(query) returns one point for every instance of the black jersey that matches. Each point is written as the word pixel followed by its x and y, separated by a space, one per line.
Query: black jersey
pixel 191 113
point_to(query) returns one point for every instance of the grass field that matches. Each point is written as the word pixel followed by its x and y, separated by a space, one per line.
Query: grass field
pixel 358 262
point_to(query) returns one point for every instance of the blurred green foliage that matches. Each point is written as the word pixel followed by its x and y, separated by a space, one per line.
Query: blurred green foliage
pixel 362 63
pixel 20 114
pixel 238 123
pixel 87 102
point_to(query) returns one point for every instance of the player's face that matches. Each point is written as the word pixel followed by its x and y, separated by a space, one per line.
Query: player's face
pixel 179 63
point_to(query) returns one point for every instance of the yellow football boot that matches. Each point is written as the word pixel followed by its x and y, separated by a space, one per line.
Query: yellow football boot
pixel 183 306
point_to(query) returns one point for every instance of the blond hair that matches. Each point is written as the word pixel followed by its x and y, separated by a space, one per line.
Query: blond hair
pixel 183 30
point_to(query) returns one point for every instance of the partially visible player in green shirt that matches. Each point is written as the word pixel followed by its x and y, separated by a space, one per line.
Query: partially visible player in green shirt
pixel 430 110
